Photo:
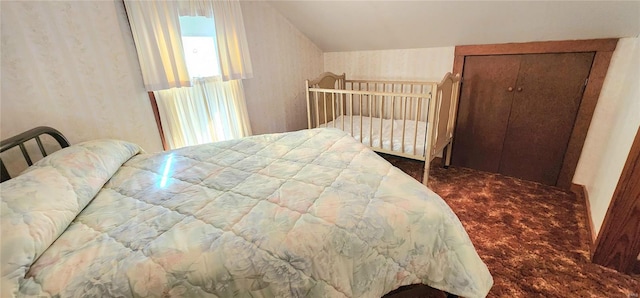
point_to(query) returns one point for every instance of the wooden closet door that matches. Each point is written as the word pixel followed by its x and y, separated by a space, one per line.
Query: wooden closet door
pixel 545 104
pixel 483 110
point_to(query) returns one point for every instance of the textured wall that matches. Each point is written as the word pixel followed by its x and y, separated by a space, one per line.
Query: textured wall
pixel 282 58
pixel 73 66
pixel 613 127
pixel 412 64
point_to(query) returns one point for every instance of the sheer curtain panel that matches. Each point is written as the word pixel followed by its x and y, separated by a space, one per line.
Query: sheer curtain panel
pixel 233 50
pixel 209 111
pixel 155 27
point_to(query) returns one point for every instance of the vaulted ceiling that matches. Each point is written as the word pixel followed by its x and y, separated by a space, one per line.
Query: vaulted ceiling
pixel 376 25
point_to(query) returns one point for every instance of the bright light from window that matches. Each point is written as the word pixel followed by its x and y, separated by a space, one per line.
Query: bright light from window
pixel 165 173
pixel 218 127
pixel 199 45
pixel 200 55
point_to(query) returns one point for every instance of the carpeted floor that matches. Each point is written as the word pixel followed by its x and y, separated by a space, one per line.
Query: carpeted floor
pixel 532 237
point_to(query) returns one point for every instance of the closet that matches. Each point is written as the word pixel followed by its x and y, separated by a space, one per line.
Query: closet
pixel 517 112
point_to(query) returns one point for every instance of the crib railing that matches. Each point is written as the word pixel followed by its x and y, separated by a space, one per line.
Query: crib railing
pixel 398 87
pixel 429 107
pixel 346 108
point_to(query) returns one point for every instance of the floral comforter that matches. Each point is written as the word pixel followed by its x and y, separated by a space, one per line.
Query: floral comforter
pixel 312 213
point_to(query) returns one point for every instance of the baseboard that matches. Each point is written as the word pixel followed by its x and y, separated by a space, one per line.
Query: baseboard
pixel 581 193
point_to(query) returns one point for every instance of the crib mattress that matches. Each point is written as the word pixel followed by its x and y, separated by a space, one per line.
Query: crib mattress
pixel 371 133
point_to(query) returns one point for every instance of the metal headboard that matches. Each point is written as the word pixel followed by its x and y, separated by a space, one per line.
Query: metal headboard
pixel 19 141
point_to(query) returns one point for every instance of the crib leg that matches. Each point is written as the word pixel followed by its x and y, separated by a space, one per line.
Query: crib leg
pixel 444 160
pixel 447 160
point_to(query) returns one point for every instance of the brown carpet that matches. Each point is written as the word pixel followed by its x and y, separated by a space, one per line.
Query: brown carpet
pixel 532 237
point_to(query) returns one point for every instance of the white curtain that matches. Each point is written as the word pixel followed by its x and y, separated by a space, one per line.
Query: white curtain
pixel 233 50
pixel 212 110
pixel 155 27
pixel 156 32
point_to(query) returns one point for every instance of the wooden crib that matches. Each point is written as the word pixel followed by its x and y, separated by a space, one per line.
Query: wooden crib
pixel 409 119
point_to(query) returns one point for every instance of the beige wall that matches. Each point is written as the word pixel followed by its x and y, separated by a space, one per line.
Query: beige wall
pixel 613 128
pixel 282 59
pixel 73 66
pixel 408 64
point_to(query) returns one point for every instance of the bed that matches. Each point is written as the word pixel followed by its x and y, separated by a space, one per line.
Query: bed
pixel 312 213
pixel 405 118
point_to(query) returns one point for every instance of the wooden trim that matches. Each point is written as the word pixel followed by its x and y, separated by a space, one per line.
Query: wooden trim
pixel 581 193
pixel 604 50
pixel 458 64
pixel 565 46
pixel 618 242
pixel 583 119
pixel 156 115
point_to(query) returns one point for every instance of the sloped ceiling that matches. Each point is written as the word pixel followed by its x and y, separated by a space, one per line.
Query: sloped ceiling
pixel 376 25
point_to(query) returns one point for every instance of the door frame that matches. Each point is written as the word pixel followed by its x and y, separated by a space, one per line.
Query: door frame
pixel 603 49
pixel 618 243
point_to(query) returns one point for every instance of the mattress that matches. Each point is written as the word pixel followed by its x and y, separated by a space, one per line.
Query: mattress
pixel 312 213
pixel 373 139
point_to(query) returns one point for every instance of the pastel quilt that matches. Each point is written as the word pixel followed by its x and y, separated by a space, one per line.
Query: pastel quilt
pixel 312 213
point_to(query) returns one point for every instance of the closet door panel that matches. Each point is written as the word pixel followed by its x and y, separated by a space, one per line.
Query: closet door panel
pixel 483 110
pixel 545 104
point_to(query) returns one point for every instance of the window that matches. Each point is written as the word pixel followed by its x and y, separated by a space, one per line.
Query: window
pixel 199 44
pixel 198 95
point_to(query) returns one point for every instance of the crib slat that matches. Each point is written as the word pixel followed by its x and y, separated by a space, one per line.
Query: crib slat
pixel 333 111
pixel 308 105
pixel 361 138
pixel 372 103
pixel 381 117
pixel 317 109
pixel 415 131
pixel 370 121
pixel 404 121
pixel 325 108
pixel 351 111
pixel 342 113
pixel 393 113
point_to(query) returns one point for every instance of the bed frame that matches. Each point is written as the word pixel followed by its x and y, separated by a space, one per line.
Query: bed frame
pixel 334 101
pixel 20 140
